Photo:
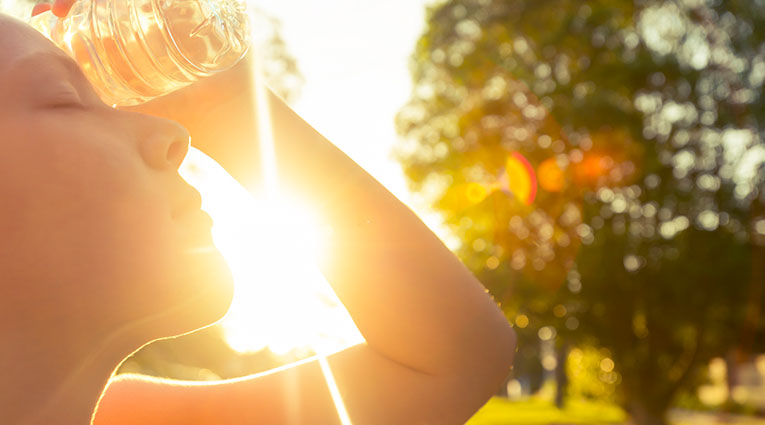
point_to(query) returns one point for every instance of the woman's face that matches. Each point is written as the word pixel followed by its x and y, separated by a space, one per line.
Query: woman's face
pixel 96 223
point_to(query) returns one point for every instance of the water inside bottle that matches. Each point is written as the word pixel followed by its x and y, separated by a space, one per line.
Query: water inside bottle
pixel 133 51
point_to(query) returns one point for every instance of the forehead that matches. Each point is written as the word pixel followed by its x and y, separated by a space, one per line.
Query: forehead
pixel 18 39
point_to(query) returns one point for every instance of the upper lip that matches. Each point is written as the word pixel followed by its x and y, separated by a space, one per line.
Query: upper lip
pixel 191 201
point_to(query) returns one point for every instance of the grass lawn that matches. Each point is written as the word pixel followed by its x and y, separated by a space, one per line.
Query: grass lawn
pixel 499 411
pixel 538 411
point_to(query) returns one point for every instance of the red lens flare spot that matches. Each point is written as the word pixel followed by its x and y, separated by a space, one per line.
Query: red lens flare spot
pixel 521 178
pixel 551 177
pixel 593 169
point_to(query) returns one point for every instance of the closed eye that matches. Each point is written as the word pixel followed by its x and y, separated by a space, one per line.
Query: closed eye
pixel 63 97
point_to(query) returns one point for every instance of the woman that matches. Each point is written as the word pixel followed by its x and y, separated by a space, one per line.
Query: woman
pixel 105 249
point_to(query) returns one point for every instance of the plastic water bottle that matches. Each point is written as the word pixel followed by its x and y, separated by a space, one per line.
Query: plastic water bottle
pixel 135 50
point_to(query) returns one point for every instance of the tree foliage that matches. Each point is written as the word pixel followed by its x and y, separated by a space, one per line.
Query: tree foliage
pixel 644 121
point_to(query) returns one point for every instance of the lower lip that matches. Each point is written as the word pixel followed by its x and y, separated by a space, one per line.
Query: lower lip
pixel 197 227
pixel 205 219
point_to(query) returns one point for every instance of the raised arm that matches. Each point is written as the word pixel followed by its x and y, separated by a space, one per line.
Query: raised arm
pixel 437 346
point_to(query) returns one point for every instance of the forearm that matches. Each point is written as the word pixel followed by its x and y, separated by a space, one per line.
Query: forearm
pixel 411 298
pixel 409 295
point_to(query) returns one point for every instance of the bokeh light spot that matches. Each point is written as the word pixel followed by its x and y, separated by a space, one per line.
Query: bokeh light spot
pixel 522 321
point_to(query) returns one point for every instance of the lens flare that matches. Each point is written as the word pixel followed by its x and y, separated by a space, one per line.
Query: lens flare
pixel 517 179
pixel 272 243
pixel 268 158
pixel 334 391
pixel 476 192
pixel 520 178
pixel 551 176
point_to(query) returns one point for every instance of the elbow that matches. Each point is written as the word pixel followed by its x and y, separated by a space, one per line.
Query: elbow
pixel 489 367
pixel 499 361
pixel 491 358
pixel 505 348
pixel 499 355
pixel 499 342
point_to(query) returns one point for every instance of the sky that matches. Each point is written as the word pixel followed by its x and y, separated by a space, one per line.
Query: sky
pixel 354 57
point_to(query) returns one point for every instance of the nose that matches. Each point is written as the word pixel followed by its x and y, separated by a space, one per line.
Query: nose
pixel 164 143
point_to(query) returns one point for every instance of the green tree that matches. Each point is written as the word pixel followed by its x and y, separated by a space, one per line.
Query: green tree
pixel 644 121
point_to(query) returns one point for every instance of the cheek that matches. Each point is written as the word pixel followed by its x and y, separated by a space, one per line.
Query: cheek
pixel 123 229
pixel 86 216
pixel 82 208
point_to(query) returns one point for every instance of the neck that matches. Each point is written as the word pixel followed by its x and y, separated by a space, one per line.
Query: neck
pixel 55 376
pixel 71 400
pixel 54 371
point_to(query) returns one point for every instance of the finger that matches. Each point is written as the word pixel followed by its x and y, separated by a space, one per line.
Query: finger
pixel 61 7
pixel 40 8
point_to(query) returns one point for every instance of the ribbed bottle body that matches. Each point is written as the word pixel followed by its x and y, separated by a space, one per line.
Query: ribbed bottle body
pixel 135 50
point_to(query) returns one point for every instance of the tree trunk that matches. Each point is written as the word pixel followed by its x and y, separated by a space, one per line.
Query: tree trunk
pixel 731 373
pixel 646 413
pixel 561 376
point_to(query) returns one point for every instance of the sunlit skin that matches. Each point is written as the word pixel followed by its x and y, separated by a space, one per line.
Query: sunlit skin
pixel 104 246
pixel 436 345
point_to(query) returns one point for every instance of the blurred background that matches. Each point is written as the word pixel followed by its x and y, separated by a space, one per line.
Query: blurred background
pixel 599 165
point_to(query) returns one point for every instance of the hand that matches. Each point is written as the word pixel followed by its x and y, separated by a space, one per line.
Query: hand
pixel 59 8
pixel 218 111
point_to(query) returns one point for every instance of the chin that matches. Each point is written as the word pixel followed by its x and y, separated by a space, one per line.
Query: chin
pixel 214 291
pixel 199 295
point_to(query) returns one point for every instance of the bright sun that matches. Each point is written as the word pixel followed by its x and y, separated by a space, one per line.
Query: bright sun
pixel 272 245
pixel 281 301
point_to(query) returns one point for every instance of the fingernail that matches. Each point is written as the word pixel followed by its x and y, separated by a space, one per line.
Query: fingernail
pixel 40 8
